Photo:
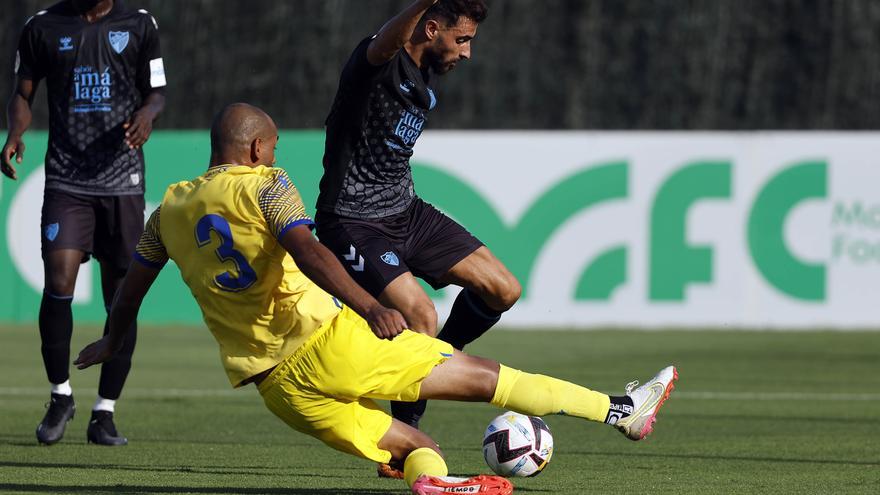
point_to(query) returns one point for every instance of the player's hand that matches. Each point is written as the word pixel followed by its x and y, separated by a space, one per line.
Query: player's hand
pixel 96 352
pixel 14 147
pixel 386 323
pixel 138 129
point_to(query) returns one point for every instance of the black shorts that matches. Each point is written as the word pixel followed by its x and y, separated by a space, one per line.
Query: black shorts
pixel 421 240
pixel 107 226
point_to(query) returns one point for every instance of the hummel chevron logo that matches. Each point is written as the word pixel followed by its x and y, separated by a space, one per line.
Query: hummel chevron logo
pixel 352 254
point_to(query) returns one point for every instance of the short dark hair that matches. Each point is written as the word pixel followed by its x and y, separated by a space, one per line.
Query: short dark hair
pixel 451 10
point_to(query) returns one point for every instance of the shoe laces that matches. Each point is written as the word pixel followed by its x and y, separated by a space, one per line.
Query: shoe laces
pixel 631 386
pixel 55 412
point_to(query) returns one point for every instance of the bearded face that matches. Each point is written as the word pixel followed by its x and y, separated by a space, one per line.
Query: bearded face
pixel 441 62
pixel 450 45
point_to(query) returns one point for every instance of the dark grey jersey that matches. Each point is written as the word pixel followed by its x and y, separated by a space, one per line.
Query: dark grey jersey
pixel 377 116
pixel 97 76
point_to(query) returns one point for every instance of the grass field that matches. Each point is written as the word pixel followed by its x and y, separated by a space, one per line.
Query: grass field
pixel 752 413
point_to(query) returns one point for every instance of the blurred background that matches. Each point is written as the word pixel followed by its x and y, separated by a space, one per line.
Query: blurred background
pixel 662 165
pixel 656 163
pixel 553 64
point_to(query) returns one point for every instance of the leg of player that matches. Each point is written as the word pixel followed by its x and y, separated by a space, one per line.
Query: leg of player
pixel 402 440
pixel 425 470
pixel 102 429
pixel 489 290
pixel 469 378
pixel 56 326
pixel 406 295
pixel 485 278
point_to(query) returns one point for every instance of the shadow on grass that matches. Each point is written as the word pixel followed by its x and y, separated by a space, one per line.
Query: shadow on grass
pixel 134 489
pixel 730 458
pixel 772 419
pixel 242 470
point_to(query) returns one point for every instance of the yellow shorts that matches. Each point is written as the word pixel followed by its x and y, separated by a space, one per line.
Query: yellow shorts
pixel 325 389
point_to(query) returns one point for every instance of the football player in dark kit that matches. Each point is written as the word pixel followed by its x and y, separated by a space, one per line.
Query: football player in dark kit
pixel 105 78
pixel 368 212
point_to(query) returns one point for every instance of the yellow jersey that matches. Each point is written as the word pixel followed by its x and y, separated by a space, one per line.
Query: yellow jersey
pixel 222 231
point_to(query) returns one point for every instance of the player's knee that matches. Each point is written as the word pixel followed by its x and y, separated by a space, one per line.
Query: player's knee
pixel 423 318
pixel 504 294
pixel 510 293
pixel 414 441
pixel 60 276
pixel 60 284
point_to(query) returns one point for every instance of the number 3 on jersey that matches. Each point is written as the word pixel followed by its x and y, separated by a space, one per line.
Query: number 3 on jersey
pixel 225 252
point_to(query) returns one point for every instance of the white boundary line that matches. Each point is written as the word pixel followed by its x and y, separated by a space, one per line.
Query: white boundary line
pixel 809 396
pixel 135 393
pixel 249 393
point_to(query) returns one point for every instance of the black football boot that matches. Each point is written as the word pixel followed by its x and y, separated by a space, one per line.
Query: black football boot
pixel 102 431
pixel 60 411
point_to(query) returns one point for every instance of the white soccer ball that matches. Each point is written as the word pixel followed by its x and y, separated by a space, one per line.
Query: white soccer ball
pixel 517 445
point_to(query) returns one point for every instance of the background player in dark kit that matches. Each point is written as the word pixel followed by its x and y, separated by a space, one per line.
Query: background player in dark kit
pixel 368 211
pixel 105 78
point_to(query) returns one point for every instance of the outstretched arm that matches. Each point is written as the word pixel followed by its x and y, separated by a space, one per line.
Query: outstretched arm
pixel 396 32
pixel 322 268
pixel 18 118
pixel 126 306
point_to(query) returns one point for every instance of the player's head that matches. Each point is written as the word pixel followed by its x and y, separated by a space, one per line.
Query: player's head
pixel 448 28
pixel 243 134
pixel 84 6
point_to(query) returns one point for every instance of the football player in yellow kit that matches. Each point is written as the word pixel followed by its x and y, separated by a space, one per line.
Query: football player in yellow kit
pixel 319 348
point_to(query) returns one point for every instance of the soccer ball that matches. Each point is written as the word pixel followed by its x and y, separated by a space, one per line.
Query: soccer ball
pixel 517 445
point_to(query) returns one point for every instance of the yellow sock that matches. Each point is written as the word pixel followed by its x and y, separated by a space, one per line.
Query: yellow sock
pixel 423 461
pixel 539 395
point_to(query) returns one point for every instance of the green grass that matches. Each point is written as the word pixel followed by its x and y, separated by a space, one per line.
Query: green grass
pixel 800 414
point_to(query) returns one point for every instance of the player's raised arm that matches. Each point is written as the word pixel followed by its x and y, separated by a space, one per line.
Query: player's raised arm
pixel 396 32
pixel 322 268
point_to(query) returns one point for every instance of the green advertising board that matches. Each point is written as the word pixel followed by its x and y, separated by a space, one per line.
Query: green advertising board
pixel 749 230
pixel 171 156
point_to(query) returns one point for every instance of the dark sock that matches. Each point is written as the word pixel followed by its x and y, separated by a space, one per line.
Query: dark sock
pixel 409 412
pixel 56 327
pixel 469 319
pixel 115 371
pixel 621 407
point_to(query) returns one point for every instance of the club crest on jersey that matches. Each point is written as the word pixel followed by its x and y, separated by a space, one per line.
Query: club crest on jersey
pixel 390 259
pixel 407 86
pixel 65 43
pixel 118 40
pixel 51 231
